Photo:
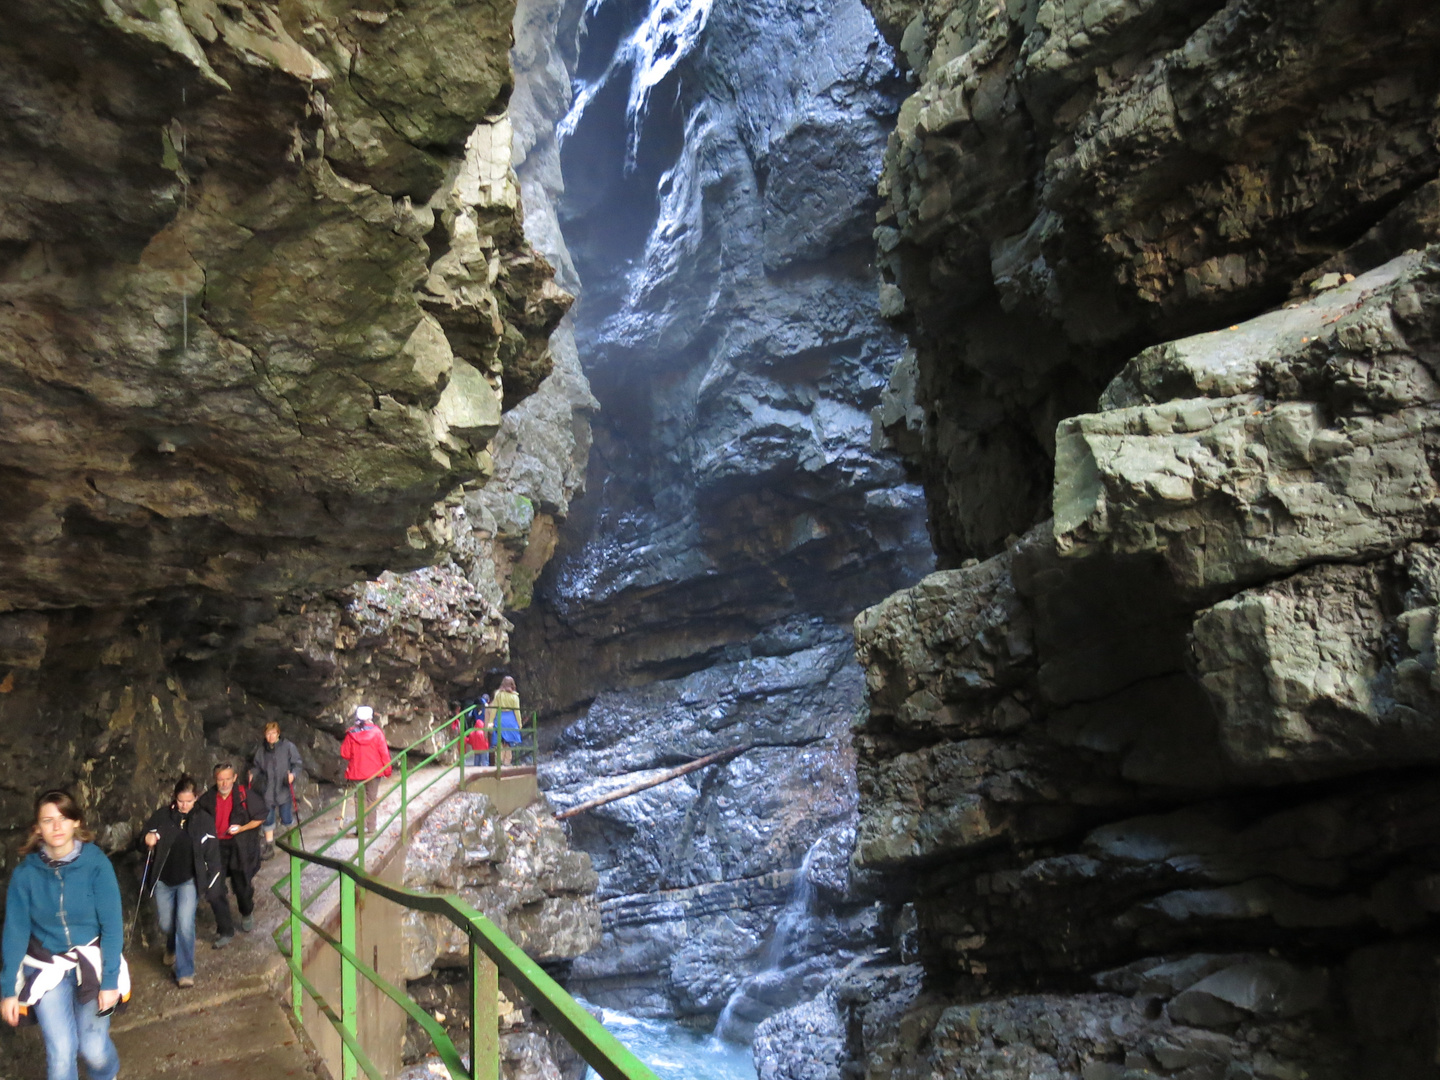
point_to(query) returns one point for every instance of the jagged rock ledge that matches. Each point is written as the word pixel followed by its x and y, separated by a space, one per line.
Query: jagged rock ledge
pixel 1072 181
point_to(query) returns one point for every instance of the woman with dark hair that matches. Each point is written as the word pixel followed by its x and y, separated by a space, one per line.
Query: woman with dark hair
pixel 61 945
pixel 183 864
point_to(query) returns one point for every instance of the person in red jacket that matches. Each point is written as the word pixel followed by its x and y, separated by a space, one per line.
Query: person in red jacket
pixel 478 740
pixel 367 755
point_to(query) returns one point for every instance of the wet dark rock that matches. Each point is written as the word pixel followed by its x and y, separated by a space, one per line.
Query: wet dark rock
pixel 1259 987
pixel 738 515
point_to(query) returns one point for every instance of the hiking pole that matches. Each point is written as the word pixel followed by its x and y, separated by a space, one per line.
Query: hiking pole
pixel 140 901
pixel 149 854
pixel 295 806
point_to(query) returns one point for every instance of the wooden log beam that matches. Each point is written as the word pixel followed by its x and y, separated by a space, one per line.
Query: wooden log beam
pixel 666 776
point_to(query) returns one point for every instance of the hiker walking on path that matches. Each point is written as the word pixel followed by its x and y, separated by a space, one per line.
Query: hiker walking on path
pixel 368 759
pixel 504 712
pixel 62 964
pixel 238 812
pixel 273 772
pixel 479 739
pixel 183 863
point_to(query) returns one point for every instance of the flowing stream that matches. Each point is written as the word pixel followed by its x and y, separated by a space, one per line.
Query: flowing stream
pixel 677 1053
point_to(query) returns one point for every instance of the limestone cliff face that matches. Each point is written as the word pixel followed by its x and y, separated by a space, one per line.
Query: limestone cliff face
pixel 718 163
pixel 1182 749
pixel 1158 775
pixel 1071 182
pixel 518 871
pixel 268 305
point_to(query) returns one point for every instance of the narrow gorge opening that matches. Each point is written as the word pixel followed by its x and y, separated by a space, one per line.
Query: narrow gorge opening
pixel 1005 432
pixel 715 195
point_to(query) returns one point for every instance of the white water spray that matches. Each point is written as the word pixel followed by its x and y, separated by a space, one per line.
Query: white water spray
pixel 797 910
pixel 669 32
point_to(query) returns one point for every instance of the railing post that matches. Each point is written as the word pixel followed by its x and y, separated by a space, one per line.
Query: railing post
pixel 535 739
pixel 349 1003
pixel 404 798
pixel 484 1016
pixel 297 954
pixel 360 809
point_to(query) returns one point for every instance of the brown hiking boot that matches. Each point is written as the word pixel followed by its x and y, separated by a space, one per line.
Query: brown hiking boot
pixel 185 982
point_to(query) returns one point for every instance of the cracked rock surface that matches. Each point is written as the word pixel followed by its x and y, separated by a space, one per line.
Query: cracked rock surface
pixel 267 316
pixel 1153 760
pixel 1072 181
pixel 1178 743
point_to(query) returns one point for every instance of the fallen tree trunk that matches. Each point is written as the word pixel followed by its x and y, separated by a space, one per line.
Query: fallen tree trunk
pixel 666 776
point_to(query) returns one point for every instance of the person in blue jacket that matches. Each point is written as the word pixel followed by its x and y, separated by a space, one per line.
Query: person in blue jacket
pixel 62 941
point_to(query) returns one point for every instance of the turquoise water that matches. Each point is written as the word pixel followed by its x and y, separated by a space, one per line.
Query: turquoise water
pixel 676 1053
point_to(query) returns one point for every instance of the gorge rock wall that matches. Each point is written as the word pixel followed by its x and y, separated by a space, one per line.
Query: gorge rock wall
pixel 270 327
pixel 1071 182
pixel 718 163
pixel 520 873
pixel 1154 762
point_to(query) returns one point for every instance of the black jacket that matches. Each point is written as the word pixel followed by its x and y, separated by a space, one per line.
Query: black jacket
pixel 247 805
pixel 199 832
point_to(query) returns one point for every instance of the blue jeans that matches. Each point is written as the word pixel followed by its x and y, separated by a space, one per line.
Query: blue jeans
pixel 70 1028
pixel 286 815
pixel 175 905
pixel 480 760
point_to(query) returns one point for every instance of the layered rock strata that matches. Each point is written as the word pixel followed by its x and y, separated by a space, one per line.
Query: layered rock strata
pixel 718 162
pixel 1163 770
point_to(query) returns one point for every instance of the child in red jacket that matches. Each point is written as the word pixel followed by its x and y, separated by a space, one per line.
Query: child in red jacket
pixel 478 740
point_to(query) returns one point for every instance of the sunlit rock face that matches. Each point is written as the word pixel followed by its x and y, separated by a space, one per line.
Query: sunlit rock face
pixel 719 161
pixel 268 305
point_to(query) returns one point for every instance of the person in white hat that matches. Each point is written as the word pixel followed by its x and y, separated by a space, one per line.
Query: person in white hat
pixel 367 757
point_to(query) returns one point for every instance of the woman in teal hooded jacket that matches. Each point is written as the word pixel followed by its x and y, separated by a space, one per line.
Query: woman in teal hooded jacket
pixel 62 903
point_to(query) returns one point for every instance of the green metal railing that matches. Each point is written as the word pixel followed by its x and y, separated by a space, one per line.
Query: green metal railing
pixel 491 952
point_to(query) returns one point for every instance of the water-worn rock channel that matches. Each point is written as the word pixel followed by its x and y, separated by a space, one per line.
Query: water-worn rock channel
pixel 1010 424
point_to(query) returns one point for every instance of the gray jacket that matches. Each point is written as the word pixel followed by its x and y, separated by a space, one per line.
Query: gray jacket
pixel 269 767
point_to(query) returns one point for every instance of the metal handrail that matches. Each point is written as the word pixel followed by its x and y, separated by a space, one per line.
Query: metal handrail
pixel 491 952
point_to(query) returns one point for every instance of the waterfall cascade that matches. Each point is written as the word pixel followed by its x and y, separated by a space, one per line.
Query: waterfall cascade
pixel 788 927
